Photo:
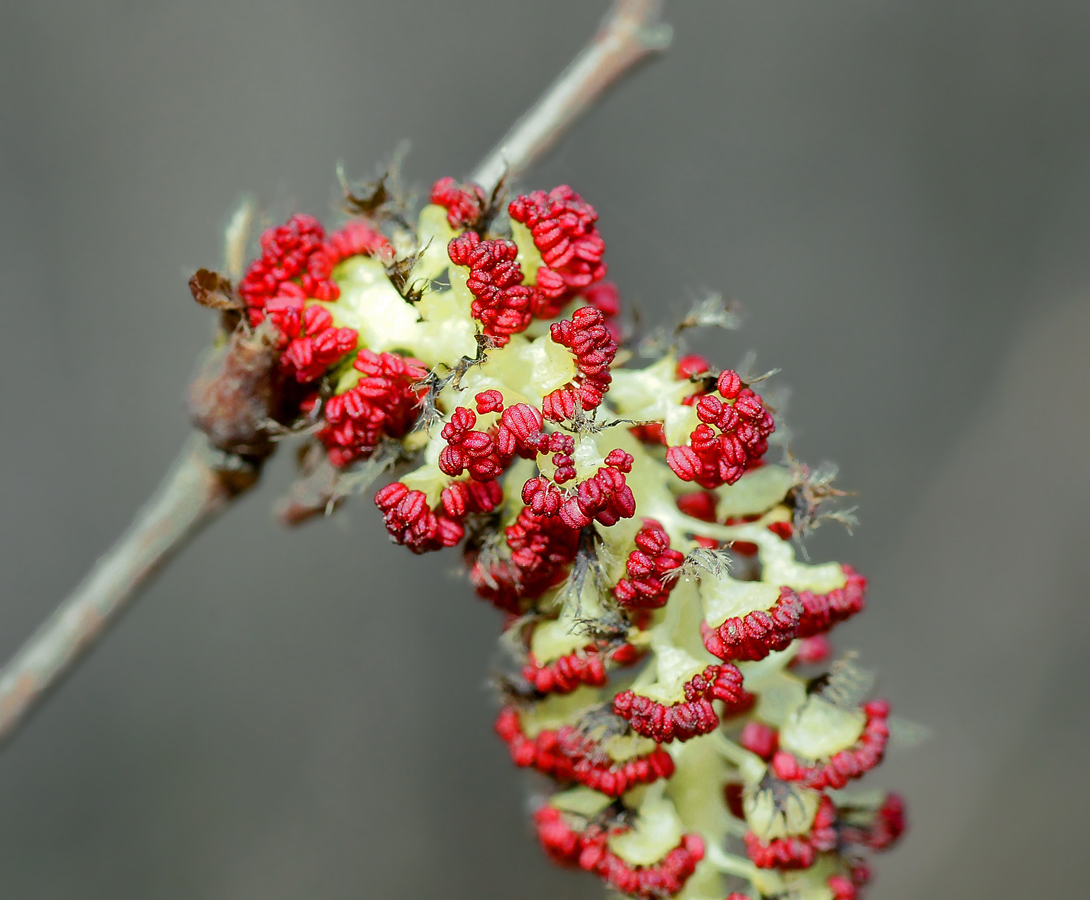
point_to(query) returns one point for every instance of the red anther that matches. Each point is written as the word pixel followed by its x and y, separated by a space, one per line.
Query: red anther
pixel 489 402
pixel 684 462
pixel 594 348
pixel 565 468
pixel 691 365
pixel 465 203
pixel 813 650
pixel 760 739
pixel 563 230
pixel 889 824
pixel 729 384
pixel 782 530
pixel 732 436
pixel 382 403
pixel 755 635
pixel 647 586
pixel 356 239
pixel 846 765
pixel 560 405
pixel 502 303
pixel 842 888
pixel 542 497
pixel 820 612
pixel 700 505
pixel 651 433
pixel 797 851
pixel 522 420
pixel 618 459
pixel 693 716
pixel 286 253
pixel 560 843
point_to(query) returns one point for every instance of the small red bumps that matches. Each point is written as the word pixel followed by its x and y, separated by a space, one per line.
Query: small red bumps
pixel 693 716
pixel 797 851
pixel 594 348
pixel 820 612
pixel 758 633
pixel 285 254
pixel 569 757
pixel 489 401
pixel 502 302
pixel 563 228
pixel 356 239
pixel 568 672
pixel 846 765
pixel 410 521
pixel 605 497
pixel 731 437
pixel 649 565
pixel 382 403
pixel 465 203
pixel 590 851
pixel 469 449
pixel 313 344
pixel 889 824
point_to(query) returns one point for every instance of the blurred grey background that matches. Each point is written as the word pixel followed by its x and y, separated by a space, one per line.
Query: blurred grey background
pixel 897 192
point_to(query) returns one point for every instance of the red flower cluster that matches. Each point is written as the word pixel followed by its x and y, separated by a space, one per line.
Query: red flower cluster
pixel 797 851
pixel 820 612
pixel 540 551
pixel 647 585
pixel 731 437
pixel 487 454
pixel 758 633
pixel 313 343
pixel 690 717
pixel 413 523
pixel 594 348
pixel 586 666
pixel 501 475
pixel 588 849
pixel 502 302
pixel 464 203
pixel 846 765
pixel 297 254
pixel 382 403
pixel 564 231
pixel 569 757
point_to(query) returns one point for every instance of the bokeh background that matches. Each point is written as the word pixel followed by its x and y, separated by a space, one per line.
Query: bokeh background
pixel 898 194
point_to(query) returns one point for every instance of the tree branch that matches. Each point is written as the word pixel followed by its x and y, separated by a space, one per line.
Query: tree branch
pixel 235 395
pixel 190 496
pixel 630 33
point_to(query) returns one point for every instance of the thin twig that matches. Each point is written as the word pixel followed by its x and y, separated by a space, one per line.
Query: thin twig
pixel 190 496
pixel 196 490
pixel 630 33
